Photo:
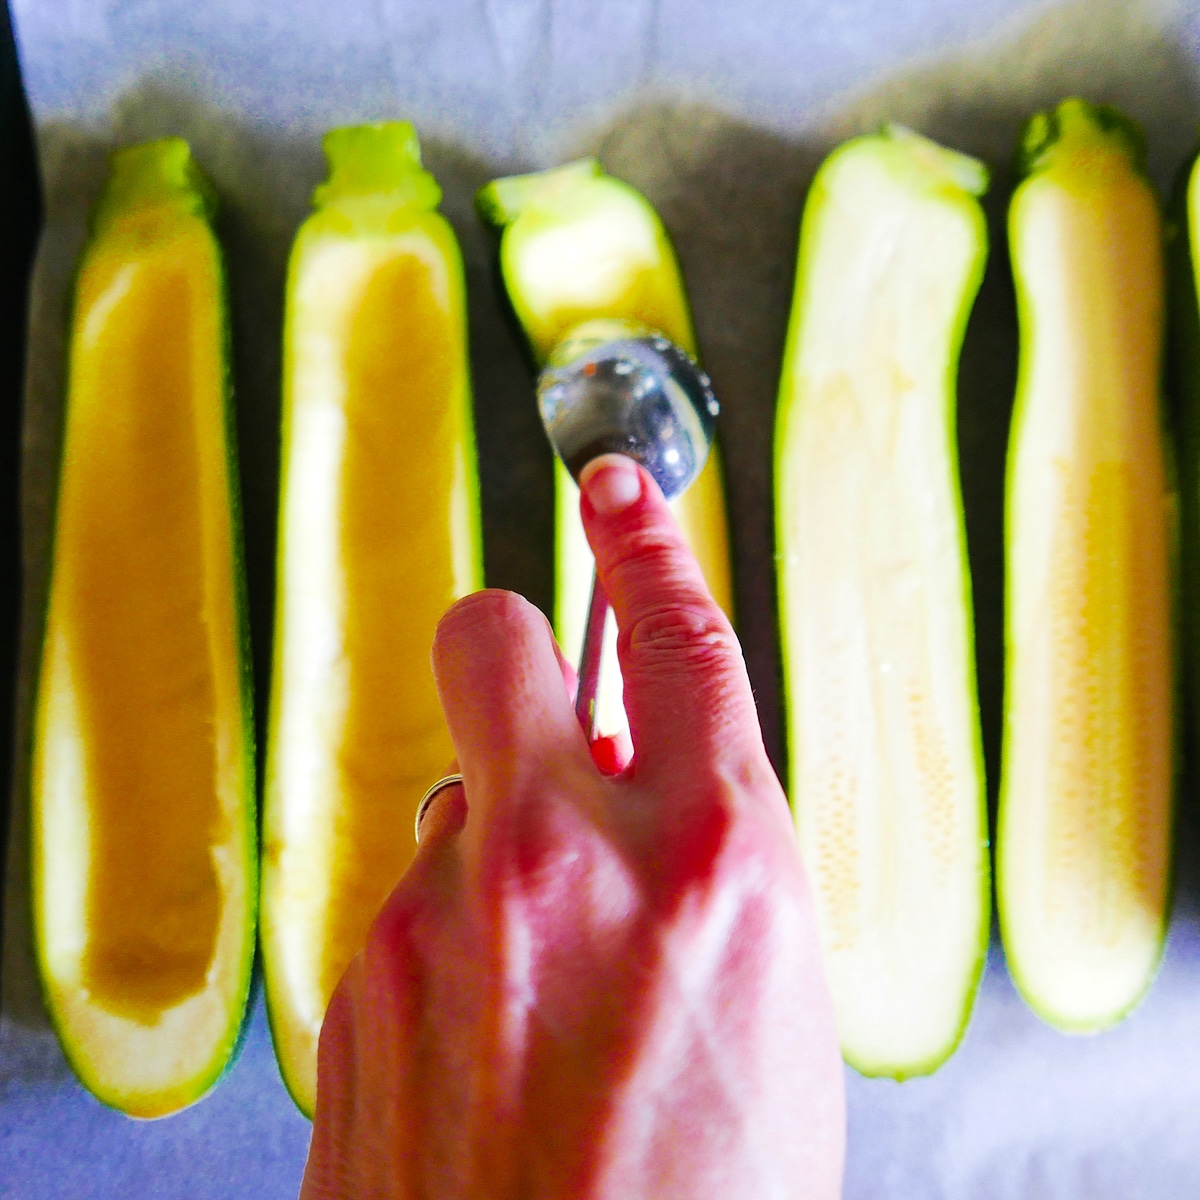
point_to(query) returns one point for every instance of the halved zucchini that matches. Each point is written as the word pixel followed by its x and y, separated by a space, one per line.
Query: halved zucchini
pixel 579 244
pixel 1083 858
pixel 875 599
pixel 379 533
pixel 144 866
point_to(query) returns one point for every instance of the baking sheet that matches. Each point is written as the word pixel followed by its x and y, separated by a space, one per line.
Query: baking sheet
pixel 720 114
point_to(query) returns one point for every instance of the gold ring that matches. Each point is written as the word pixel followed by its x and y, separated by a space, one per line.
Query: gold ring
pixel 427 799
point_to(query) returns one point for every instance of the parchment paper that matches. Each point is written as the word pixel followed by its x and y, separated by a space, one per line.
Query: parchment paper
pixel 720 113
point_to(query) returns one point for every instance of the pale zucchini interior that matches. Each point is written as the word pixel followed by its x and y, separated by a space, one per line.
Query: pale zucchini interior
pixel 882 717
pixel 378 537
pixel 589 248
pixel 604 253
pixel 141 853
pixel 1085 816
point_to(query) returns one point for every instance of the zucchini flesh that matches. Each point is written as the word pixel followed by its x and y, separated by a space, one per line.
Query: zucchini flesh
pixel 579 244
pixel 886 773
pixel 1086 791
pixel 379 534
pixel 144 863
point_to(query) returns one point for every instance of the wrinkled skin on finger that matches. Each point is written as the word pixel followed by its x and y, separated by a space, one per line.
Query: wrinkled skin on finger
pixel 588 985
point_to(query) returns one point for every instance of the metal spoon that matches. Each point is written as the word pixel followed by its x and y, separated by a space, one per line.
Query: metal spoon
pixel 616 387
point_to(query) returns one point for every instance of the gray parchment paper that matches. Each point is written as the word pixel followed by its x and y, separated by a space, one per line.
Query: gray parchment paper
pixel 720 112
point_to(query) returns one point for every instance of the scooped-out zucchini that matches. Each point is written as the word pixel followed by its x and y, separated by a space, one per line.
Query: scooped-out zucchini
pixel 886 771
pixel 1083 860
pixel 578 244
pixel 142 784
pixel 379 532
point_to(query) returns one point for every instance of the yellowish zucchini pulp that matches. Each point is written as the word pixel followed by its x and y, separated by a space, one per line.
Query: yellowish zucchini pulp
pixel 379 533
pixel 142 773
pixel 1086 789
pixel 577 245
pixel 886 775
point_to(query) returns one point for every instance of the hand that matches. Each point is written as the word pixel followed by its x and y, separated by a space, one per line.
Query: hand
pixel 591 986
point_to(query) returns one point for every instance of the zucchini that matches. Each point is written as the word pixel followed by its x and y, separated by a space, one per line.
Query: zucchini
pixel 578 244
pixel 1083 860
pixel 142 781
pixel 886 768
pixel 379 532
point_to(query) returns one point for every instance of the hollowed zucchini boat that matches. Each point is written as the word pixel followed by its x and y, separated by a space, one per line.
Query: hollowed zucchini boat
pixel 144 864
pixel 379 533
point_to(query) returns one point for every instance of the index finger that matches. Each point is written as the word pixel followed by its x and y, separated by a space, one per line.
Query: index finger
pixel 687 694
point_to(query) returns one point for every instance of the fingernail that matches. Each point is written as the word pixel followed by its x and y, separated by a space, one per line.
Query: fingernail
pixel 611 483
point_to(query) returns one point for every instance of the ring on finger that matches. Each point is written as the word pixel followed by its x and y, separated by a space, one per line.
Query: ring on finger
pixel 427 799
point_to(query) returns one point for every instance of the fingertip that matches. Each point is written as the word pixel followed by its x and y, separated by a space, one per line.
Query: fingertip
pixel 610 484
pixel 612 753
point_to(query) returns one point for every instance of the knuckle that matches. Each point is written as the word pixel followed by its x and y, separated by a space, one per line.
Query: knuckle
pixel 698 837
pixel 540 858
pixel 727 844
pixel 646 539
pixel 529 834
pixel 687 635
pixel 484 610
pixel 653 550
pixel 685 660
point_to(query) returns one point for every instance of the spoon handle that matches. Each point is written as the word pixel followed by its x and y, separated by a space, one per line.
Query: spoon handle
pixel 589 660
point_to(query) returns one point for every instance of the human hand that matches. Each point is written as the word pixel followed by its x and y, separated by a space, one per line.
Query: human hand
pixel 591 986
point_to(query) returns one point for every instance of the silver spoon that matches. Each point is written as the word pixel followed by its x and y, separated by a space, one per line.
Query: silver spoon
pixel 616 387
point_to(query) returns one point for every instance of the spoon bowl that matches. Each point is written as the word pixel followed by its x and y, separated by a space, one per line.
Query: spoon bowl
pixel 614 387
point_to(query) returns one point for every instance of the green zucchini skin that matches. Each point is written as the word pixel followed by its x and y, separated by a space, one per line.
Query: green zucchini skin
pixel 949 183
pixel 163 174
pixel 1096 144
